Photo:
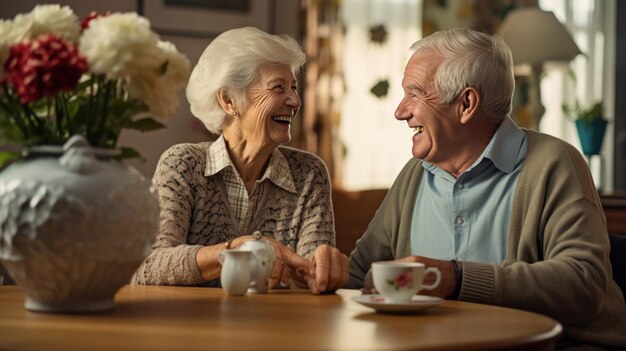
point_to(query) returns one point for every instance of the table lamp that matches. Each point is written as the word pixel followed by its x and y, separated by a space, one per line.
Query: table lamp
pixel 536 36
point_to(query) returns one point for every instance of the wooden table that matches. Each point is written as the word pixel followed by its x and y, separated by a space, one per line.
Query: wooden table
pixel 185 318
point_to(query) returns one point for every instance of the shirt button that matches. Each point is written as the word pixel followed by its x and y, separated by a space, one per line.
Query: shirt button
pixel 460 186
pixel 459 220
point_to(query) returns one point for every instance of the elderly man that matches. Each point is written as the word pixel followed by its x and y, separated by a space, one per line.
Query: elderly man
pixel 511 217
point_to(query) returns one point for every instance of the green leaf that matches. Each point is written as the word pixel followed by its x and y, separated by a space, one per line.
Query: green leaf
pixel 129 152
pixel 7 156
pixel 146 124
pixel 381 88
pixel 163 68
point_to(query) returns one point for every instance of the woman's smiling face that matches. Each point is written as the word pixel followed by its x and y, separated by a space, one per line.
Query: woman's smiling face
pixel 271 103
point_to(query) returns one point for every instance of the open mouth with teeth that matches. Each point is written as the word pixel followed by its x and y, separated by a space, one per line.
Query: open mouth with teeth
pixel 282 119
pixel 418 130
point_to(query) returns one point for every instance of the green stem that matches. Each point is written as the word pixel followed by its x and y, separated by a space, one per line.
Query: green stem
pixel 34 125
pixel 59 116
pixel 66 111
pixel 13 113
pixel 107 93
pixel 90 107
pixel 41 128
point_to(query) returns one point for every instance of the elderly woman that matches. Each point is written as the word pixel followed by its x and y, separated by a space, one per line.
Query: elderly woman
pixel 213 195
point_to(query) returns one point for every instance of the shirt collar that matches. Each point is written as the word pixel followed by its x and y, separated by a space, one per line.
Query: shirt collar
pixel 277 170
pixel 503 148
pixel 217 157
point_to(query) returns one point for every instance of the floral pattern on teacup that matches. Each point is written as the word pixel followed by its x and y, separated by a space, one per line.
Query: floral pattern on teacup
pixel 402 280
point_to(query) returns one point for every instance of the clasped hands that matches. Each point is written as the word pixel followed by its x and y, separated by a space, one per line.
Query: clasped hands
pixel 326 270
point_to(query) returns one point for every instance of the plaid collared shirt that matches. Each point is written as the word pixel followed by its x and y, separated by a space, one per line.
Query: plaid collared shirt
pixel 242 204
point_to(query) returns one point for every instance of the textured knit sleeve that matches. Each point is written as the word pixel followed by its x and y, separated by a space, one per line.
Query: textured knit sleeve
pixel 172 261
pixel 317 225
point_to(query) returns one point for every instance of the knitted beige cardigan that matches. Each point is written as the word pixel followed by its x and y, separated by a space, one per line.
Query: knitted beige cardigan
pixel 195 212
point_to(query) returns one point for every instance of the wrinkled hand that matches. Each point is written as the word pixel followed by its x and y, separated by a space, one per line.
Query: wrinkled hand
pixel 288 266
pixel 331 269
pixel 446 287
pixel 327 270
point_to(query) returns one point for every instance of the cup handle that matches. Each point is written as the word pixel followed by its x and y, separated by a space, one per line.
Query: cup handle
pixel 221 257
pixel 437 279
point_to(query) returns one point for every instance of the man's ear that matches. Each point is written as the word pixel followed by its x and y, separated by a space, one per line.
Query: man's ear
pixel 469 102
pixel 226 101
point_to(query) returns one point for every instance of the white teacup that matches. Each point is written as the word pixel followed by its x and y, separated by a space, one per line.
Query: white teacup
pixel 399 281
pixel 235 275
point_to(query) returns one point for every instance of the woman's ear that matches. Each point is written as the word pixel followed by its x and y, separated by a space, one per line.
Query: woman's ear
pixel 469 102
pixel 226 102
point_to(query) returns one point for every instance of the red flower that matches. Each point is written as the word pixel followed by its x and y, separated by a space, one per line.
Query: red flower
pixel 403 279
pixel 44 67
pixel 93 15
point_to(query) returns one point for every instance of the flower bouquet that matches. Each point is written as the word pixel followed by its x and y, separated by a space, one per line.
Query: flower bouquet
pixel 61 77
pixel 76 223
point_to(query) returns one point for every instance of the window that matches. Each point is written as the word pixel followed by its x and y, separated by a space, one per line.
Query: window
pixel 588 21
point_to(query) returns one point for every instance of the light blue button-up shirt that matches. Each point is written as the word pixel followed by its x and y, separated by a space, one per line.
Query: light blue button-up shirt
pixel 467 218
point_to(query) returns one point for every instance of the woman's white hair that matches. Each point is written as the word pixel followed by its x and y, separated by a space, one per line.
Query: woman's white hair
pixel 232 61
pixel 473 59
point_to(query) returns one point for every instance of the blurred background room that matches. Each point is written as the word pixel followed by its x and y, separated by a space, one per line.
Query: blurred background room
pixel 567 53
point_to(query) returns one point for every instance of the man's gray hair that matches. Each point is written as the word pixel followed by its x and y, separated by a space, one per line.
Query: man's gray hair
pixel 232 61
pixel 473 59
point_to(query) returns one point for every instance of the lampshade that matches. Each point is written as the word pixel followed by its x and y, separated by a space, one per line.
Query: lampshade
pixel 536 36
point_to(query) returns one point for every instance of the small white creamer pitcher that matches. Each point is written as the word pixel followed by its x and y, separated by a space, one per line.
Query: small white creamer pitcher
pixel 235 275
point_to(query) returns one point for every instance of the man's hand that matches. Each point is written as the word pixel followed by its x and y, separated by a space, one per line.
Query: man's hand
pixel 331 269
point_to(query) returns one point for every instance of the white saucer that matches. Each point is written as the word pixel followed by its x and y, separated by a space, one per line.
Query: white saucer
pixel 417 303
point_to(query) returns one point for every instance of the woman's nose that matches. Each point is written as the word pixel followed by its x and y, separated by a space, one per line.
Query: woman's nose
pixel 293 100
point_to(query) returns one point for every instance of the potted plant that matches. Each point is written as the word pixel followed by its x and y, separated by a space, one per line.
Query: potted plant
pixel 590 124
pixel 75 221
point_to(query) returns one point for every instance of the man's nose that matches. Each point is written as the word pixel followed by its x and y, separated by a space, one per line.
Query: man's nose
pixel 402 112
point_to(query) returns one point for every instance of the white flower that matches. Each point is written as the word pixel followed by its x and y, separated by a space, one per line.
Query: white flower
pixel 120 45
pixel 158 90
pixel 12 32
pixel 178 66
pixel 54 19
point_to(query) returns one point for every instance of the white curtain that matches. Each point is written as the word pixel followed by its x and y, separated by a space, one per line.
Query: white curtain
pixel 591 23
pixel 377 145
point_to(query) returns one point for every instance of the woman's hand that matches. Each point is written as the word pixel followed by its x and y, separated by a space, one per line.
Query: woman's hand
pixel 327 270
pixel 288 266
pixel 331 269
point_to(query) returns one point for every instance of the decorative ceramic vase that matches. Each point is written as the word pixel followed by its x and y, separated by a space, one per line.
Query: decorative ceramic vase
pixel 591 135
pixel 74 226
pixel 261 264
